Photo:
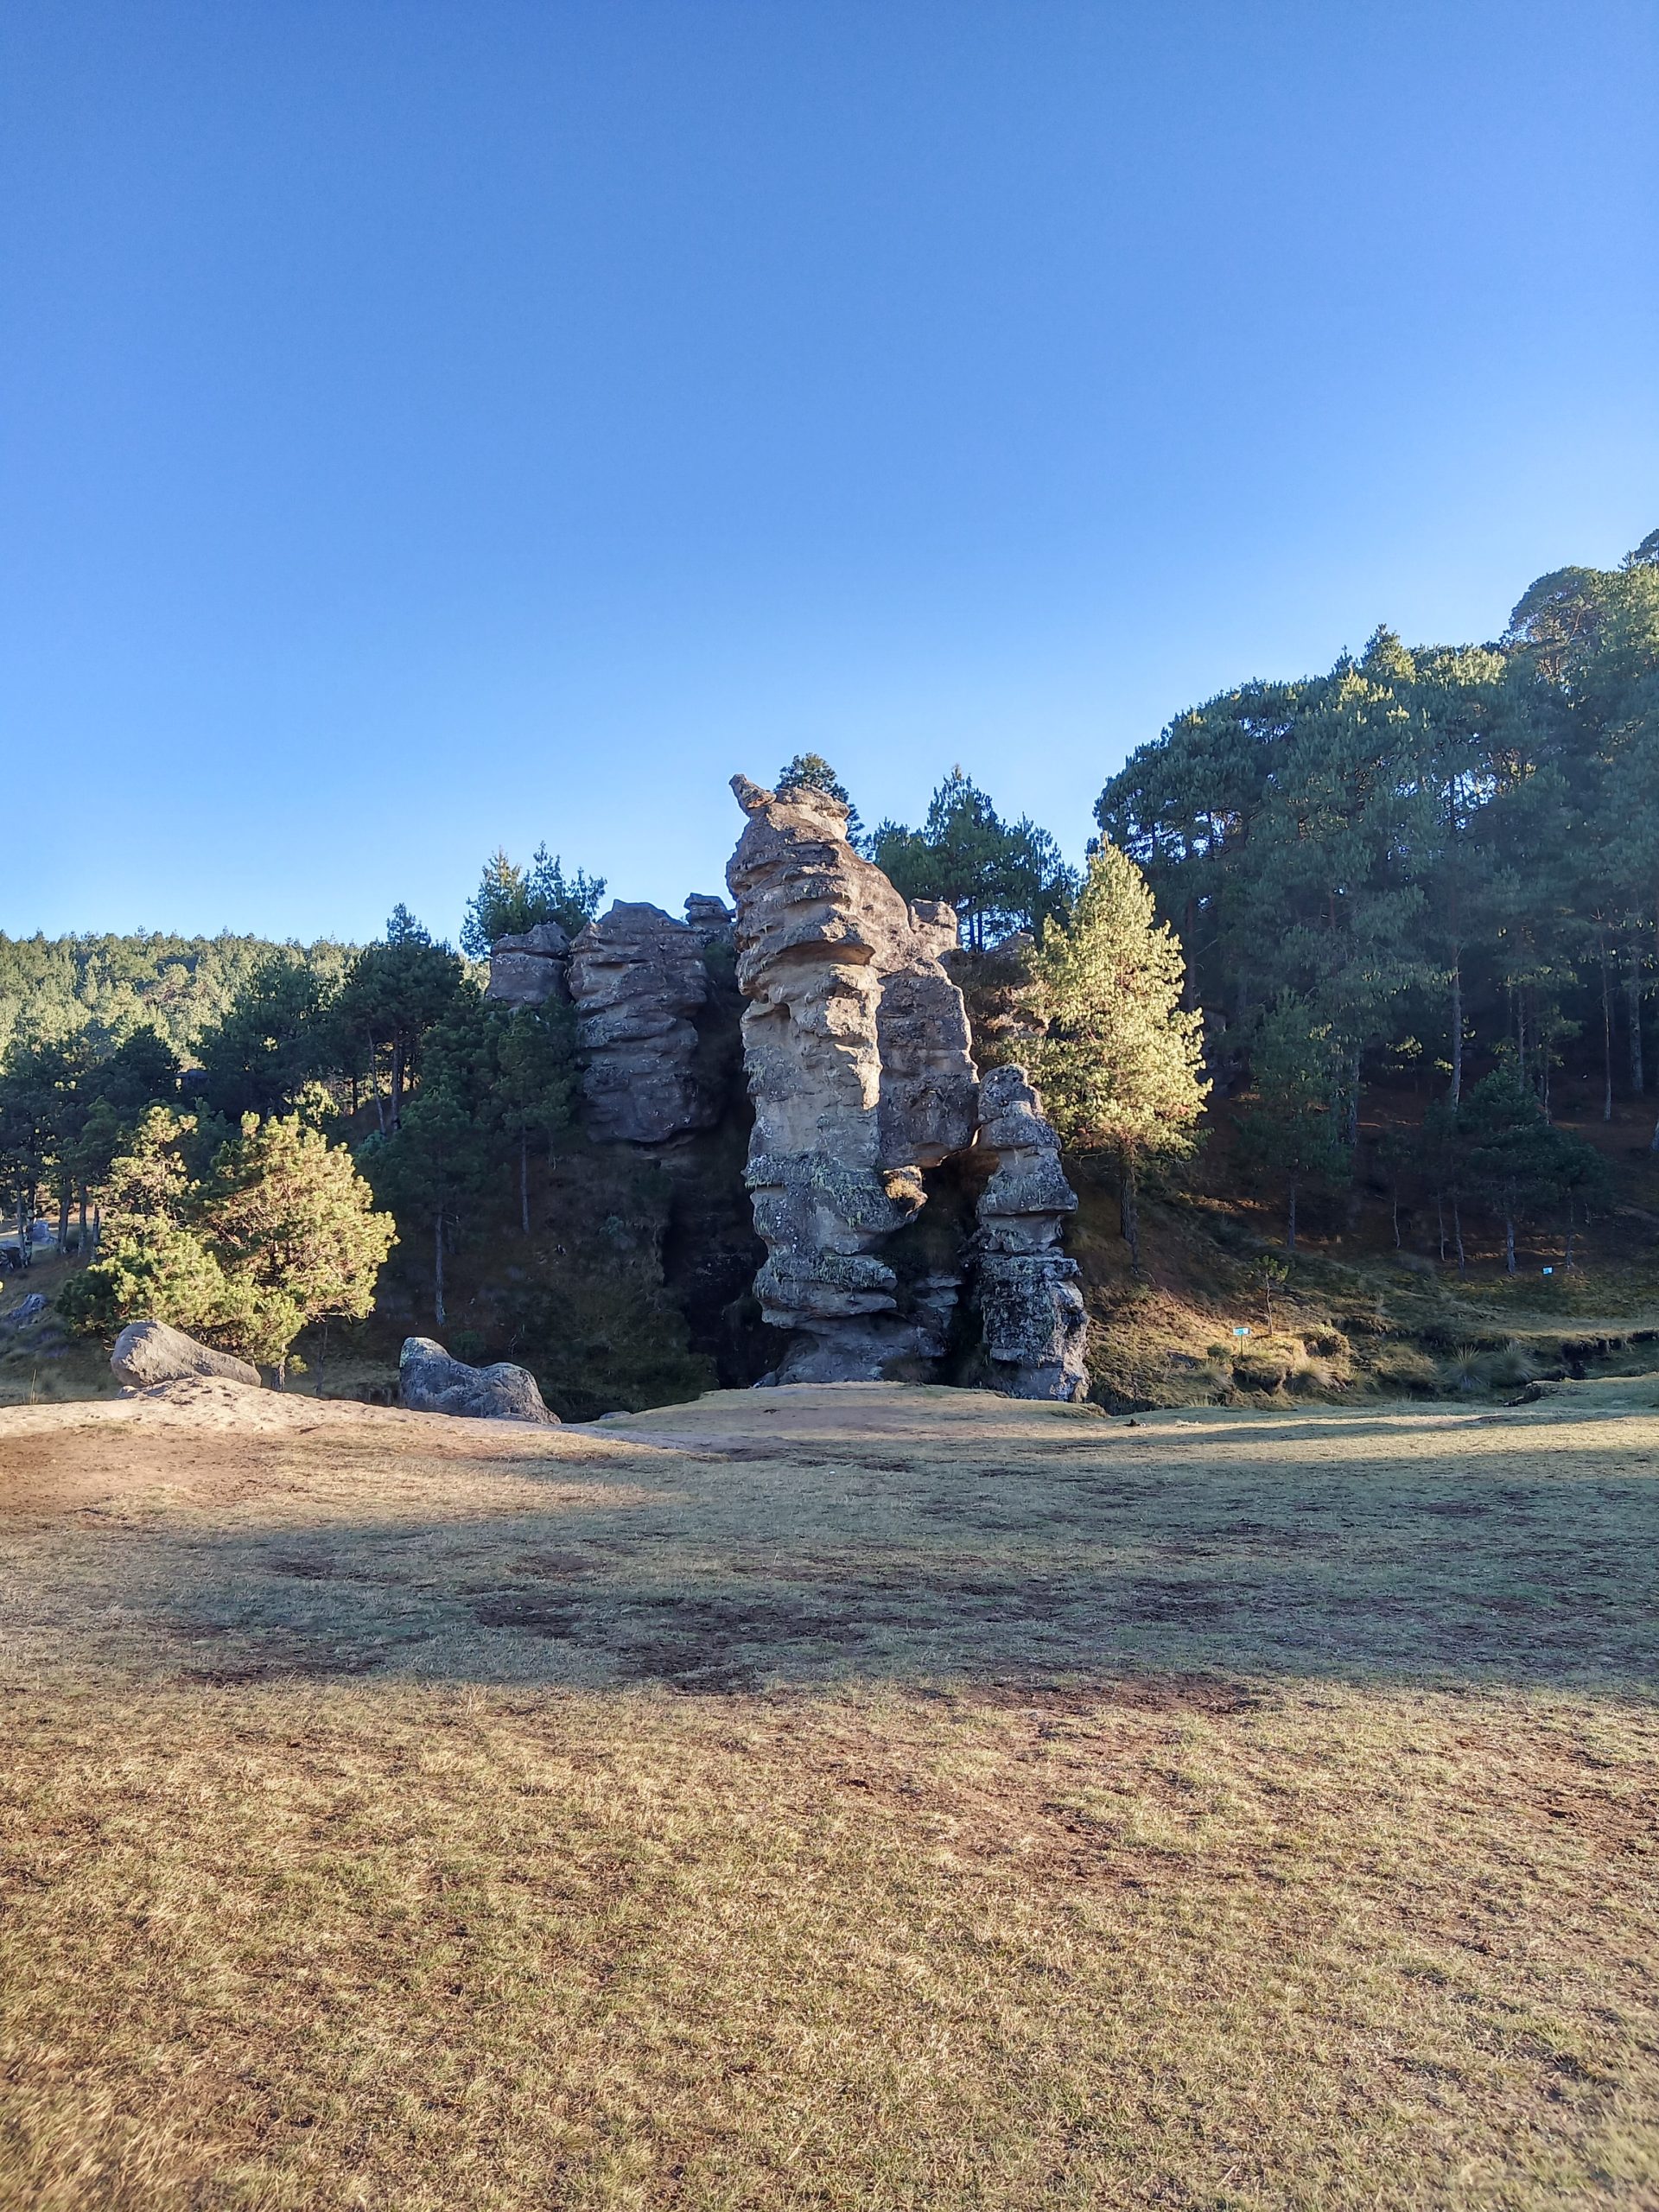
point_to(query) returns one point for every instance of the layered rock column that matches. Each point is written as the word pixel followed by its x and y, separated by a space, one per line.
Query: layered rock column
pixel 637 977
pixel 529 969
pixel 857 1048
pixel 1035 1329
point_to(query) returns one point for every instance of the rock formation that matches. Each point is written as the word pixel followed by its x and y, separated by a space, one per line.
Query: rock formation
pixel 1031 1310
pixel 529 969
pixel 430 1381
pixel 857 1049
pixel 149 1352
pixel 637 977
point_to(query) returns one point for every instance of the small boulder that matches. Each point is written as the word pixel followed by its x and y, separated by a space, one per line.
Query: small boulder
pixel 34 1304
pixel 149 1352
pixel 430 1381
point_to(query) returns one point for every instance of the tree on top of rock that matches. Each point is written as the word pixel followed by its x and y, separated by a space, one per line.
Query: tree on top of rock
pixel 510 900
pixel 811 772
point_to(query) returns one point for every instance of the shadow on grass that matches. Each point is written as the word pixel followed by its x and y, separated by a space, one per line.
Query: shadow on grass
pixel 1531 1562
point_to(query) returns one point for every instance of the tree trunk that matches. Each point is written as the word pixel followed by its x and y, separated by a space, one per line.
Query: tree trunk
pixel 1633 993
pixel 437 1270
pixel 80 1247
pixel 396 1083
pixel 1128 1208
pixel 1290 1224
pixel 1457 1028
pixel 1508 1242
pixel 374 1077
pixel 524 1177
pixel 1439 1213
pixel 1606 1037
pixel 65 1194
pixel 98 1228
pixel 1457 1227
pixel 1394 1209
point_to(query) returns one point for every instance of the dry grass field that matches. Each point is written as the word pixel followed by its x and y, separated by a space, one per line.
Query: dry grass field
pixel 854 1797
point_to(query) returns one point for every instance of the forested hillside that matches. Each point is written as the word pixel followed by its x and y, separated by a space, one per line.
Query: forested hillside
pixel 1433 857
pixel 1363 968
pixel 178 986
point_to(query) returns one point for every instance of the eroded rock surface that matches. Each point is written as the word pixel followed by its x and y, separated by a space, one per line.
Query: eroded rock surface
pixel 149 1352
pixel 857 1050
pixel 529 969
pixel 637 977
pixel 1036 1331
pixel 430 1382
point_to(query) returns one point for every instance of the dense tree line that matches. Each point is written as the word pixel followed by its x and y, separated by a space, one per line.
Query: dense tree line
pixel 177 986
pixel 1448 851
pixel 1442 859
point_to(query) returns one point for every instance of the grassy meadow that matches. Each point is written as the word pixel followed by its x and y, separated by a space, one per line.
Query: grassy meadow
pixel 836 1797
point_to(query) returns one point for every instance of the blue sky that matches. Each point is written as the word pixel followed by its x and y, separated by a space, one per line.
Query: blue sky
pixel 429 426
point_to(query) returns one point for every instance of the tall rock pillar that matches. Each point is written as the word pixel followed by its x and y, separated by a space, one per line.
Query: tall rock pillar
pixel 857 1048
pixel 1036 1329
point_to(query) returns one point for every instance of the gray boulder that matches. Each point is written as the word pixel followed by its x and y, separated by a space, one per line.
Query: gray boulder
pixel 430 1381
pixel 149 1352
pixel 529 968
pixel 33 1305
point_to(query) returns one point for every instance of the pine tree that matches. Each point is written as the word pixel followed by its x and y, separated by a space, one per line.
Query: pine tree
pixel 1292 1127
pixel 1118 1067
pixel 277 1232
pixel 811 772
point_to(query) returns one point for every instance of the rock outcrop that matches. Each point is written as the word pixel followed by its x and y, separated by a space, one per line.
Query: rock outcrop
pixel 1031 1310
pixel 430 1381
pixel 637 977
pixel 149 1352
pixel 529 969
pixel 857 1049
pixel 709 918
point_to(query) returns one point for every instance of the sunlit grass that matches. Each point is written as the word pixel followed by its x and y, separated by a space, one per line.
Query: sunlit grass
pixel 616 1881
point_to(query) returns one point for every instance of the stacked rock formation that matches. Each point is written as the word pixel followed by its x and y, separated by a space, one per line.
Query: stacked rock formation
pixel 1031 1310
pixel 529 969
pixel 637 977
pixel 857 1048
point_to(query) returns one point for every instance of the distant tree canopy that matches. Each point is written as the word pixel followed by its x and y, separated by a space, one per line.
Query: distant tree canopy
pixel 1448 849
pixel 1000 877
pixel 176 986
pixel 510 900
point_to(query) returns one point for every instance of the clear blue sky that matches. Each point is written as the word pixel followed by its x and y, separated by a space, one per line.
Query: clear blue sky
pixel 427 426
